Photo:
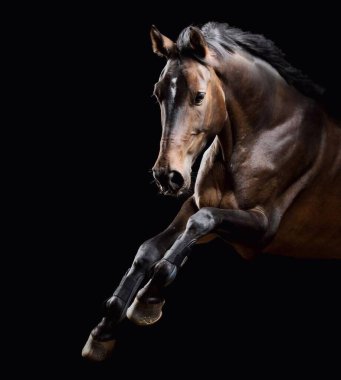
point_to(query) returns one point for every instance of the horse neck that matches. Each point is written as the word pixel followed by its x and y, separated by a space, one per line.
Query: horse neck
pixel 257 98
pixel 268 118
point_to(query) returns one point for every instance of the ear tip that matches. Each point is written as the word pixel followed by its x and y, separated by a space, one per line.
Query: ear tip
pixel 154 31
pixel 193 31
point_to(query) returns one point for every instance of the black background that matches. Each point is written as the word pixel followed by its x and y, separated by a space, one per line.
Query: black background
pixel 222 313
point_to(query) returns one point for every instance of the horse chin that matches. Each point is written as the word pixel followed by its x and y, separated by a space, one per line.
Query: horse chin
pixel 175 193
pixel 171 193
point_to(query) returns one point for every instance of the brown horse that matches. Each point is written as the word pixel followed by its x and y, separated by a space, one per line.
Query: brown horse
pixel 270 180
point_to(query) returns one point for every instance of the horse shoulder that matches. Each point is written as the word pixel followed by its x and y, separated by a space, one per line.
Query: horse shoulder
pixel 213 187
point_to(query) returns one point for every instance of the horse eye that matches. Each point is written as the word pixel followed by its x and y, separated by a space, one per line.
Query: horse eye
pixel 199 98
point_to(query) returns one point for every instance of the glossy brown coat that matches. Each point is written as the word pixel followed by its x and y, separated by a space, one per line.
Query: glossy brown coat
pixel 269 182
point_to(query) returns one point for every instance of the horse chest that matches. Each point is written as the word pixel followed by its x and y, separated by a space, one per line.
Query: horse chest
pixel 212 188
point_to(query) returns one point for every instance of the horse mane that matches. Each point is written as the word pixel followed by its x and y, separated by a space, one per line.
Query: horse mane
pixel 221 37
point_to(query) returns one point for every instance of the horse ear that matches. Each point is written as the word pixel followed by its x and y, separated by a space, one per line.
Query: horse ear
pixel 197 42
pixel 161 44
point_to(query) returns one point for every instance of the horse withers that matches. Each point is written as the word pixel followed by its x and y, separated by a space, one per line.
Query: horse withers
pixel 270 180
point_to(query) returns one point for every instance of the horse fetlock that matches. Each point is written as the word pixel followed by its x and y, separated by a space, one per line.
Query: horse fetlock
pixel 164 273
pixel 114 308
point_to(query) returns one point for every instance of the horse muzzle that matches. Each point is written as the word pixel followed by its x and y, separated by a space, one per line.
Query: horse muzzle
pixel 169 181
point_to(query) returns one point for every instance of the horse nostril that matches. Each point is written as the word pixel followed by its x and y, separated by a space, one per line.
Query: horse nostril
pixel 161 177
pixel 175 180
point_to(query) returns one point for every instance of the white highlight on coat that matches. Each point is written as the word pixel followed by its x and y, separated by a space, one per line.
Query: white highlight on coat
pixel 173 88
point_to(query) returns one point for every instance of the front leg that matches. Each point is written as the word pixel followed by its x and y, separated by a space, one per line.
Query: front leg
pixel 102 337
pixel 248 227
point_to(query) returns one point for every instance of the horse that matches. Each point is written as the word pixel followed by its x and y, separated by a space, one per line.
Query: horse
pixel 269 180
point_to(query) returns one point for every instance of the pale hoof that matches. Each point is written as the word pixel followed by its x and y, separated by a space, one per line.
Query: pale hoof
pixel 144 314
pixel 97 351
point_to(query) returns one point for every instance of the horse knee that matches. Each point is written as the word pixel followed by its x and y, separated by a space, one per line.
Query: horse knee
pixel 143 263
pixel 204 221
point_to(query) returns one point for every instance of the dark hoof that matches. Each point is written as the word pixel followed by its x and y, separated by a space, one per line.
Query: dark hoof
pixel 144 314
pixel 97 351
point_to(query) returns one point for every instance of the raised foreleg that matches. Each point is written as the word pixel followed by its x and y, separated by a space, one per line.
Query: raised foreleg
pixel 102 338
pixel 247 227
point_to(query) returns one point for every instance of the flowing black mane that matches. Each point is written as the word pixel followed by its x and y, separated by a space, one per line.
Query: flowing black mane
pixel 221 36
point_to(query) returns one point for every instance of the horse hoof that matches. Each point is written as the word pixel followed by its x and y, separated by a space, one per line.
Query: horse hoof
pixel 144 314
pixel 96 350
